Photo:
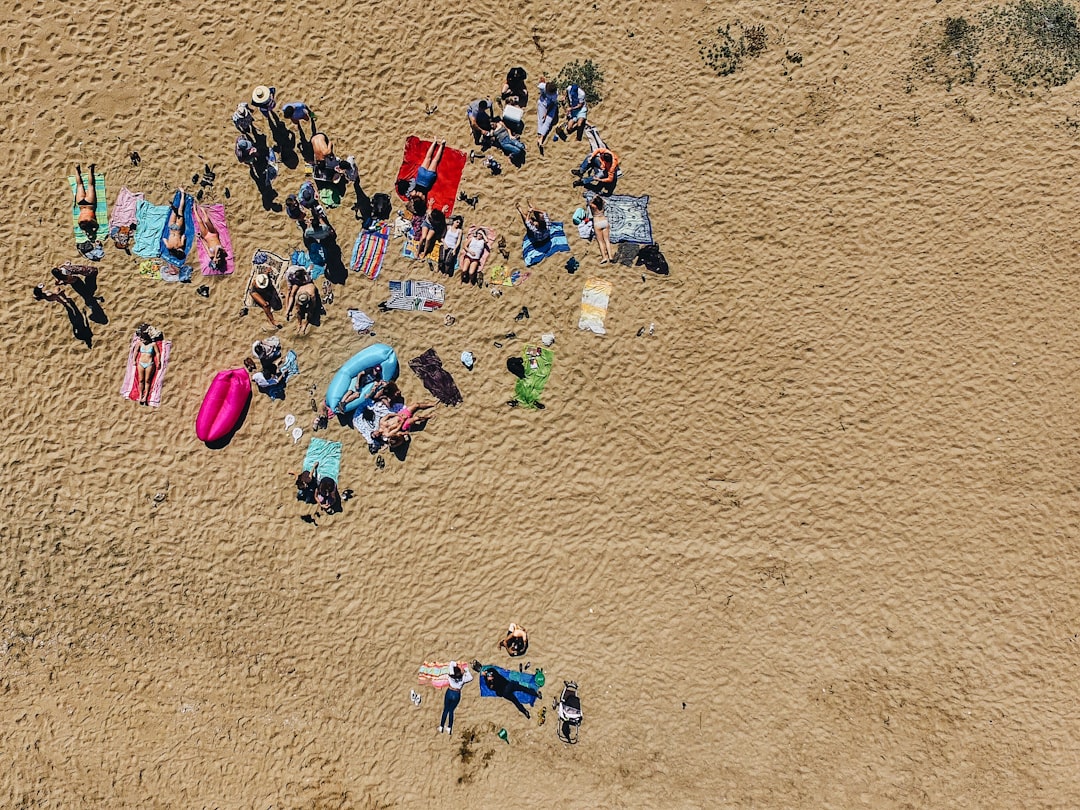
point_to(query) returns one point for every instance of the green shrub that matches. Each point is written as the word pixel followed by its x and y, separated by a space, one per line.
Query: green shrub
pixel 585 75
pixel 726 50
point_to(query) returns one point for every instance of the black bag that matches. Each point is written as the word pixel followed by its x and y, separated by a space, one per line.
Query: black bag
pixel 380 206
pixel 652 259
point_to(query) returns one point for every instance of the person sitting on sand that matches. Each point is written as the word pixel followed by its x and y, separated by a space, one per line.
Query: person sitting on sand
pixel 598 172
pixel 537 224
pixel 478 114
pixel 306 484
pixel 394 427
pixel 327 496
pixel 265 375
pixel 266 297
pixel 208 234
pixel 295 212
pixel 509 144
pixel 515 91
pixel 516 642
pixel 416 192
pixel 476 251
pixel 451 245
pixel 175 242
pixel 577 113
pixel 320 228
pixel 86 200
pixel 505 688
pixel 547 111
pixel 601 228
pixel 431 230
pixel 145 365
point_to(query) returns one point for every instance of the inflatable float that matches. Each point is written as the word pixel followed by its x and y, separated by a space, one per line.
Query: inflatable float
pixel 377 356
pixel 223 404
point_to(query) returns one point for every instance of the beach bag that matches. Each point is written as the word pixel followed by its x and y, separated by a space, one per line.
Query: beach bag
pixel 94 251
pixel 652 259
pixel 122 236
pixel 380 206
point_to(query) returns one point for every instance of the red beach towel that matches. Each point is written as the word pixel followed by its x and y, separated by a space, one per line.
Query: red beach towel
pixel 444 192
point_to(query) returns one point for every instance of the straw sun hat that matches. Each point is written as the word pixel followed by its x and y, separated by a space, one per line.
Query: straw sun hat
pixel 262 281
pixel 260 95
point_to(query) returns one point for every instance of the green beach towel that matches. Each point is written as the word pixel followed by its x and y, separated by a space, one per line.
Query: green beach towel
pixel 527 391
pixel 327 455
pixel 102 213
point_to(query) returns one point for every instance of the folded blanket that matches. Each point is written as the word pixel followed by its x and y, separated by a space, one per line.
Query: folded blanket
pixel 628 218
pixel 527 679
pixel 366 420
pixel 503 276
pixel 327 455
pixel 415 295
pixel 437 380
pixel 101 211
pixel 434 673
pixel 129 388
pixel 124 209
pixel 594 304
pixel 152 219
pixel 444 193
pixel 369 251
pixel 360 320
pixel 534 253
pixel 216 213
pixel 189 231
pixel 527 390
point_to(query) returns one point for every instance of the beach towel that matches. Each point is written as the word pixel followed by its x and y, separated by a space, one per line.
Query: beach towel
pixel 302 258
pixel 501 275
pixel 101 211
pixel 189 233
pixel 263 261
pixel 360 320
pixel 594 304
pixel 434 673
pixel 366 420
pixel 534 253
pixel 129 389
pixel 411 249
pixel 595 141
pixel 327 455
pixel 369 251
pixel 527 390
pixel 444 193
pixel 217 216
pixel 628 219
pixel 151 221
pixel 415 295
pixel 626 254
pixel 288 369
pixel 437 380
pixel 124 211
pixel 524 678
pixel 151 268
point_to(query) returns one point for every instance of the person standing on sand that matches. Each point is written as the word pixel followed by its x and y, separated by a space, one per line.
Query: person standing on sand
pixel 458 677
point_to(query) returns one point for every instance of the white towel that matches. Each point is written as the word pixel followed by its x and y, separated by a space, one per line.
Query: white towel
pixel 360 321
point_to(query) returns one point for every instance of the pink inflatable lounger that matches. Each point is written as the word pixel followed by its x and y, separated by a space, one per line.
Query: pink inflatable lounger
pixel 225 400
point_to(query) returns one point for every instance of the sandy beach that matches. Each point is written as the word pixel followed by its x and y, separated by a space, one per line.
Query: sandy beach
pixel 807 544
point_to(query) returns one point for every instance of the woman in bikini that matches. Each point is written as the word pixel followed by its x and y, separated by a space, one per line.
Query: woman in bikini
pixel 209 236
pixel 475 251
pixel 145 367
pixel 86 199
pixel 601 228
pixel 416 192
pixel 175 242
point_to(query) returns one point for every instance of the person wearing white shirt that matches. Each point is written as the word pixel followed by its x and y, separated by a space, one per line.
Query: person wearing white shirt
pixel 458 677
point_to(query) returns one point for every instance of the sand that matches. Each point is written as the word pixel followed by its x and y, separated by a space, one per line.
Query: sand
pixel 811 544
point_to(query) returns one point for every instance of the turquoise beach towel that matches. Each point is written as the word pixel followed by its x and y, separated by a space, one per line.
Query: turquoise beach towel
pixel 327 455
pixel 150 221
pixel 100 211
pixel 534 254
pixel 189 231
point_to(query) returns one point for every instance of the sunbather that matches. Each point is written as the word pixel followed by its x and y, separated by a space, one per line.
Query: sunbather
pixel 509 144
pixel 516 642
pixel 416 192
pixel 547 111
pixel 537 223
pixel 394 427
pixel 451 245
pixel 144 366
pixel 266 297
pixel 475 252
pixel 505 688
pixel 86 199
pixel 601 229
pixel 356 385
pixel 175 241
pixel 208 233
pixel 598 172
pixel 432 229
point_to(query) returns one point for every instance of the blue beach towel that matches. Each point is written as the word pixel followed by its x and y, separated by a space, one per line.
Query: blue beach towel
pixel 151 221
pixel 302 258
pixel 328 456
pixel 534 254
pixel 525 678
pixel 189 232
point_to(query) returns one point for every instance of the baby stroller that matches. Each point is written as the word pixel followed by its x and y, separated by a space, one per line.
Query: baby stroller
pixel 568 707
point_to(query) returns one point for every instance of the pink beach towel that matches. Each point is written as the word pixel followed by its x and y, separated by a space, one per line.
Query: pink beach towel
pixel 130 387
pixel 490 235
pixel 123 211
pixel 216 213
pixel 434 673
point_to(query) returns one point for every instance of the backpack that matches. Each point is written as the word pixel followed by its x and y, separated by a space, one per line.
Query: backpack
pixel 652 259
pixel 122 236
pixel 380 206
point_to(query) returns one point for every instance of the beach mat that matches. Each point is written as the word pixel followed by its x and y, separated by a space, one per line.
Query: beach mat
pixel 524 678
pixel 151 219
pixel 437 380
pixel 502 276
pixel 435 673
pixel 216 213
pixel 534 253
pixel 189 235
pixel 366 420
pixel 263 261
pixel 444 193
pixel 369 251
pixel 325 453
pixel 411 249
pixel 129 389
pixel 594 304
pixel 101 211
pixel 628 219
pixel 125 209
pixel 527 390
pixel 415 296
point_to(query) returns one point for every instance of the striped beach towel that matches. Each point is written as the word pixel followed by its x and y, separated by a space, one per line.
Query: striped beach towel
pixel 101 211
pixel 216 213
pixel 369 251
pixel 434 673
pixel 534 253
pixel 425 296
pixel 594 305
pixel 129 389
